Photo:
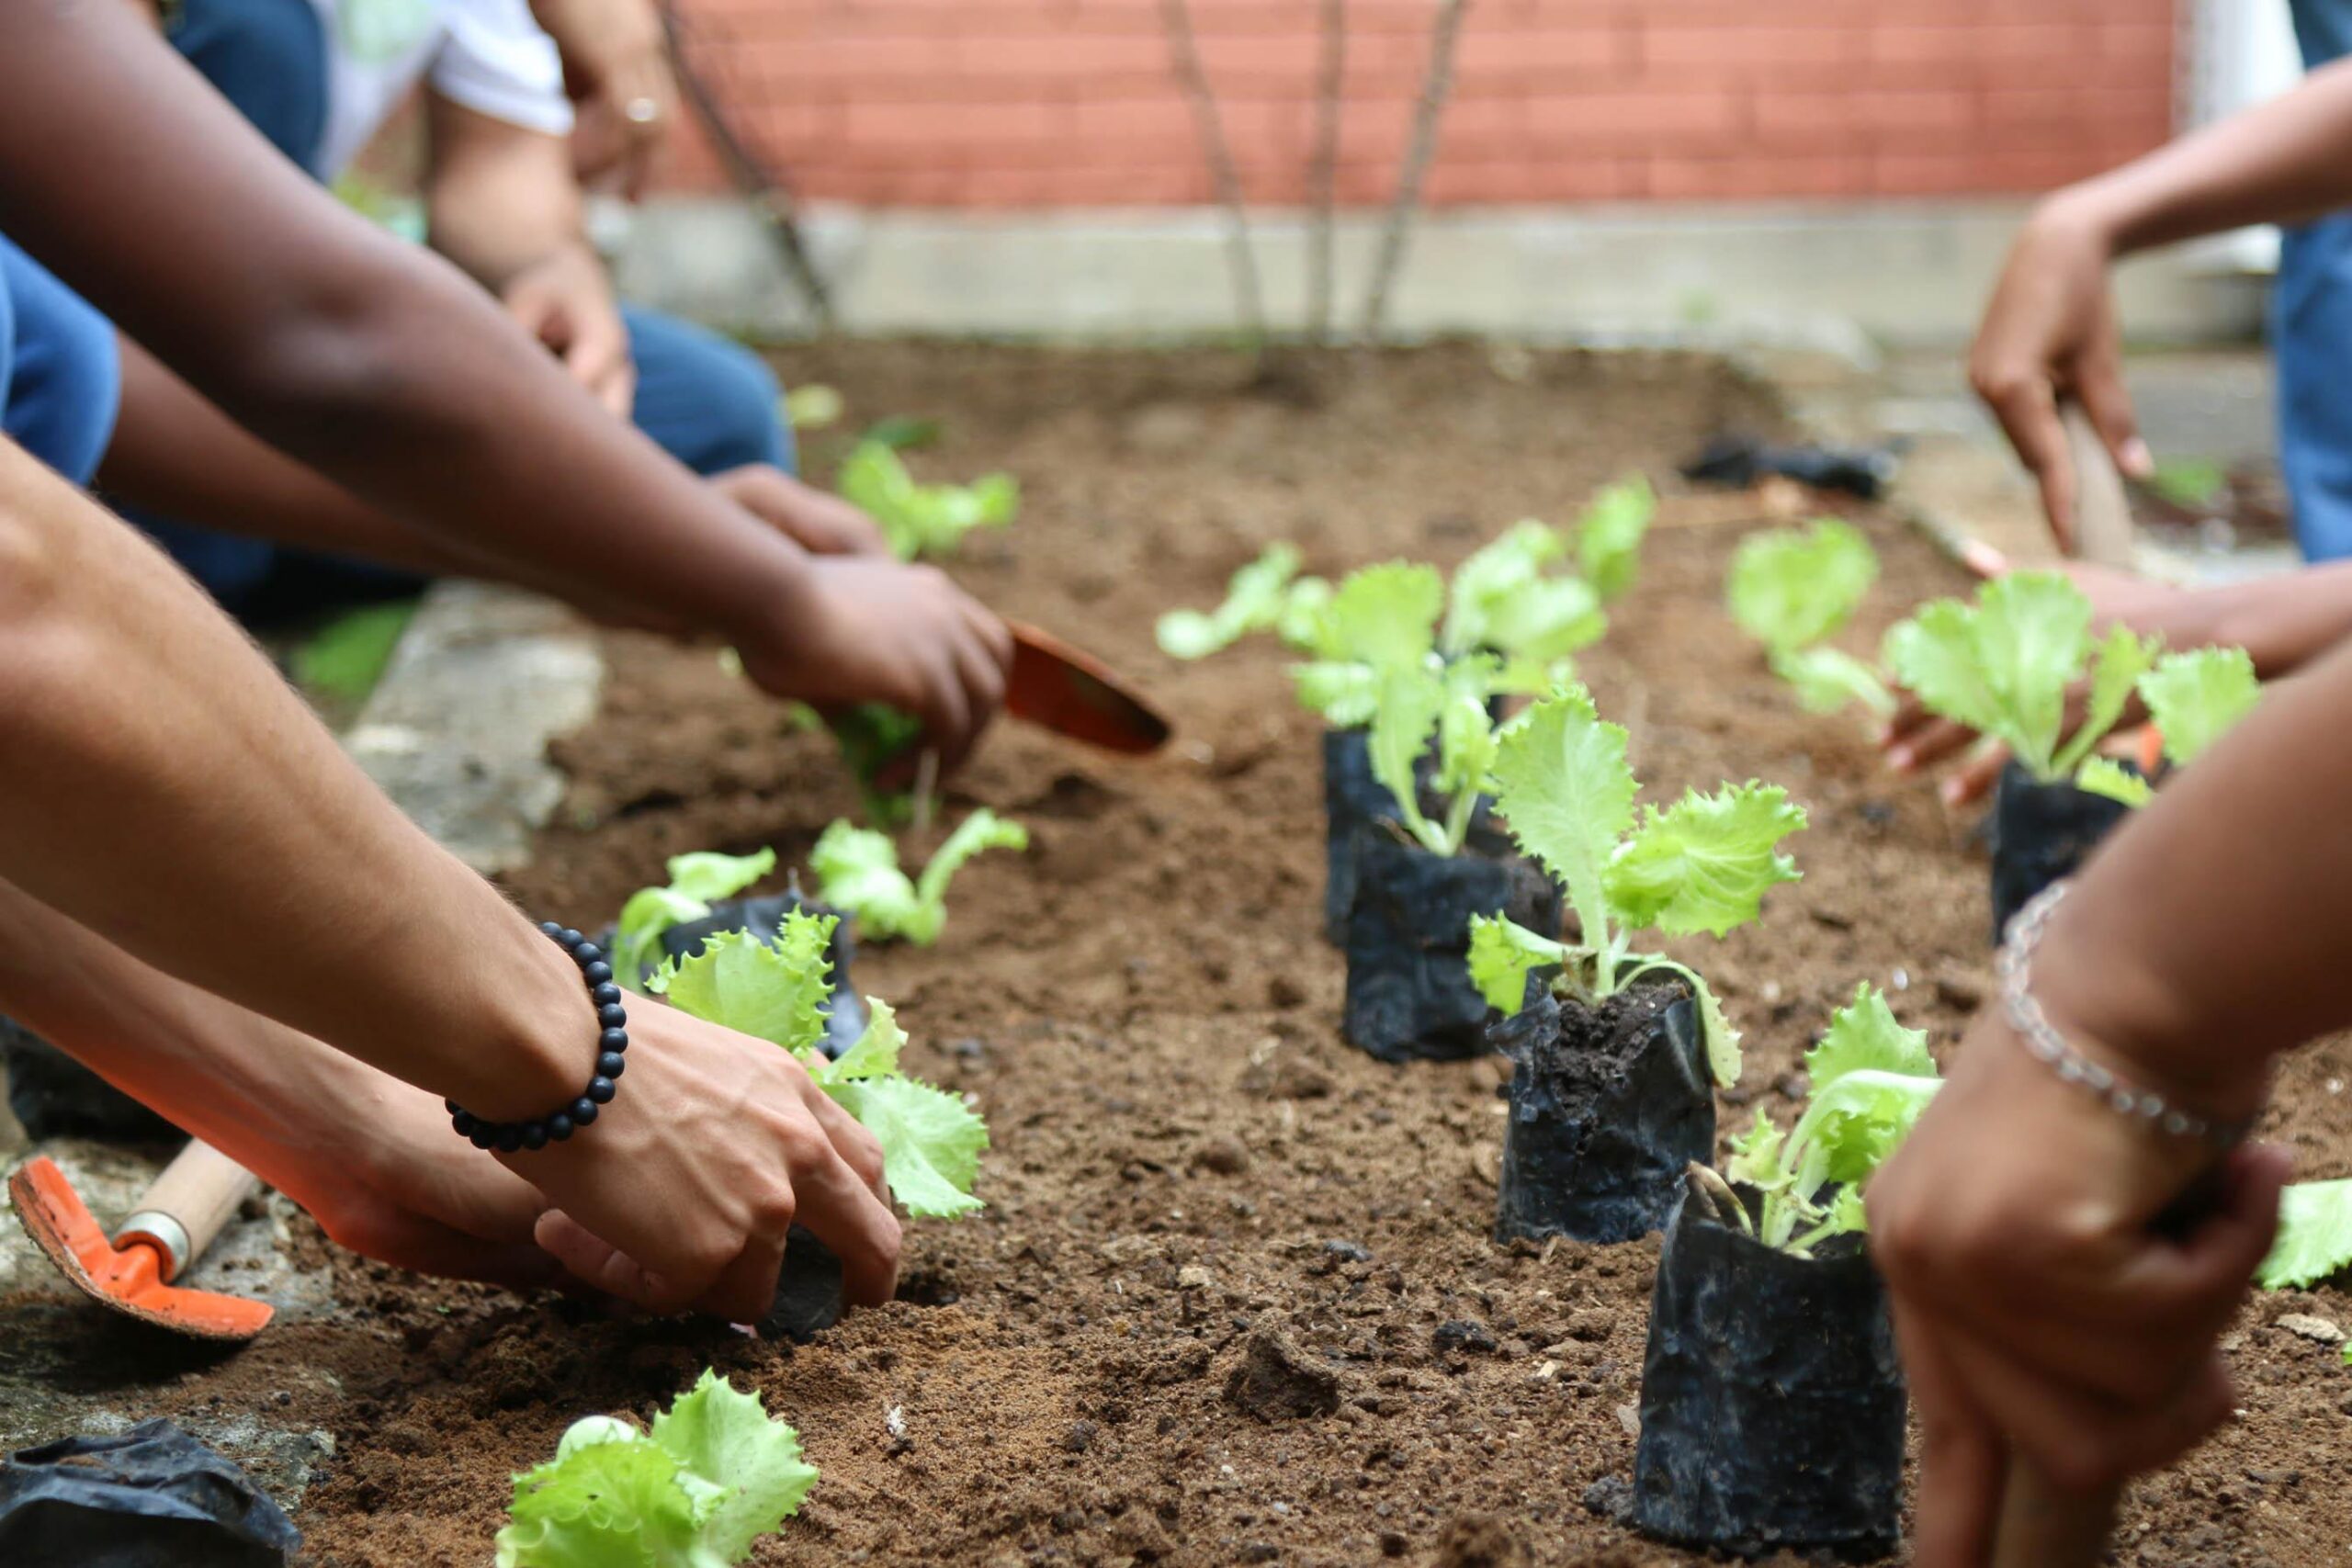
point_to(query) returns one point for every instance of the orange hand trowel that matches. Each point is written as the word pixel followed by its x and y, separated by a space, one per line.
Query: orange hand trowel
pixel 168 1230
pixel 1059 688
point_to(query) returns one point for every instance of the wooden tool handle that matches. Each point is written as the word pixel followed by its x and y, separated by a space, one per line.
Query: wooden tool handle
pixel 2042 1526
pixel 186 1206
pixel 2103 534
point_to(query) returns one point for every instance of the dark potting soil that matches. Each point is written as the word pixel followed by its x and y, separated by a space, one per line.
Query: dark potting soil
pixel 1409 996
pixel 2041 833
pixel 1772 1399
pixel 1608 1106
pixel 1191 1174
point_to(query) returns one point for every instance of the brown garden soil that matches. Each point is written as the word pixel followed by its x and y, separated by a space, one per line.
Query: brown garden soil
pixel 1233 1298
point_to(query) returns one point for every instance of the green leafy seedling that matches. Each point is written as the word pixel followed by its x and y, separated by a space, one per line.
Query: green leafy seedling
pixel 923 521
pixel 1793 589
pixel 697 882
pixel 2195 698
pixel 1563 785
pixel 1872 1078
pixel 2003 664
pixel 857 871
pixel 714 1474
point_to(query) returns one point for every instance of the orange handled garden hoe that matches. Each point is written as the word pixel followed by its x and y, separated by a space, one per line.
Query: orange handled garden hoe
pixel 167 1231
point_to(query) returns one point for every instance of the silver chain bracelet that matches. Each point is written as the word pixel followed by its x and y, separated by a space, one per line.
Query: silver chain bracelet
pixel 2052 1049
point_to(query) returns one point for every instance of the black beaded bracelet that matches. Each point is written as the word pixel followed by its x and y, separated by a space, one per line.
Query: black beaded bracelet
pixel 612 1047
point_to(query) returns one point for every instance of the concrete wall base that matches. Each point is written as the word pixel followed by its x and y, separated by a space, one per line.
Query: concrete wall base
pixel 1835 277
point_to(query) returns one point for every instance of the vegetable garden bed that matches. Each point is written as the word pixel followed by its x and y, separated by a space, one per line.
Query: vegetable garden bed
pixel 1235 1295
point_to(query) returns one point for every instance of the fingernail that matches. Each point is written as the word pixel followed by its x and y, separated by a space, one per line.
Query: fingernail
pixel 1900 759
pixel 2137 461
pixel 1954 792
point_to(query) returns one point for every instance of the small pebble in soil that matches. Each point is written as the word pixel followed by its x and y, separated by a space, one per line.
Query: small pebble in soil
pixel 1462 1335
pixel 1347 1251
pixel 1612 1497
pixel 1225 1157
pixel 2318 1330
pixel 1080 1437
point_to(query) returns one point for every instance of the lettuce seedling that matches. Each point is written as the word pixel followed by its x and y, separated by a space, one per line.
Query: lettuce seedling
pixel 1563 785
pixel 872 736
pixel 2314 1236
pixel 715 1475
pixel 931 1140
pixel 1609 532
pixel 921 520
pixel 1793 589
pixel 2003 666
pixel 1870 1079
pixel 1267 594
pixel 857 870
pixel 2195 698
pixel 697 882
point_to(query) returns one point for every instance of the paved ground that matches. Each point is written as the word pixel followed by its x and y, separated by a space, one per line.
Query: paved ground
pixel 2208 405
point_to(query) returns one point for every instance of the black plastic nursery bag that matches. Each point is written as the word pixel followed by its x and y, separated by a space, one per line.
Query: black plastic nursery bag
pixel 2042 834
pixel 144 1498
pixel 1409 996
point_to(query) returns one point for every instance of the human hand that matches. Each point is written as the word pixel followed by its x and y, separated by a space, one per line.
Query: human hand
pixel 2050 334
pixel 681 1192
pixel 616 62
pixel 566 303
pixel 882 631
pixel 820 524
pixel 2038 1306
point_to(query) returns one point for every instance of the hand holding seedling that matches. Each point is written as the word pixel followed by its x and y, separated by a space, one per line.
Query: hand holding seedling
pixel 873 630
pixel 682 1193
pixel 2036 1304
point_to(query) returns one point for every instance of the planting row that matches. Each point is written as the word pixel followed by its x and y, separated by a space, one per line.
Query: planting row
pixel 1492 881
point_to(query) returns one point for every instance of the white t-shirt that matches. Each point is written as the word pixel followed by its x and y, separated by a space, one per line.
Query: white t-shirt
pixel 486 55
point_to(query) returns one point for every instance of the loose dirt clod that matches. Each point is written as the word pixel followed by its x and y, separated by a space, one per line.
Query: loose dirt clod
pixel 1481 1540
pixel 1276 1380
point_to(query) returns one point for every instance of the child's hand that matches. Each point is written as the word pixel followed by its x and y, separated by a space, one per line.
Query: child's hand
pixel 879 631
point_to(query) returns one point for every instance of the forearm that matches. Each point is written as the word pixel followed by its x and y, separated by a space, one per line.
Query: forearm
pixel 173 797
pixel 2283 622
pixel 2284 162
pixel 2208 935
pixel 375 363
pixel 500 198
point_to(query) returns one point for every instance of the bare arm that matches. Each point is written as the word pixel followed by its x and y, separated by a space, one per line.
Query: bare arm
pixel 171 795
pixel 2050 333
pixel 386 369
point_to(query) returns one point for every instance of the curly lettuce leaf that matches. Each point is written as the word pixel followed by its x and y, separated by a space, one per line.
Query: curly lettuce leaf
pixel 1789 587
pixel 1300 621
pixel 1383 615
pixel 932 1142
pixel 1562 786
pixel 2002 665
pixel 919 519
pixel 697 882
pixel 1827 679
pixel 1756 1157
pixel 2197 696
pixel 2314 1236
pixel 1546 620
pixel 2106 776
pixel 1704 863
pixel 1411 700
pixel 857 870
pixel 1255 600
pixel 1872 1078
pixel 2123 658
pixel 1609 536
pixel 1503 954
pixel 1345 693
pixel 714 1474
pixel 774 992
pixel 1490 576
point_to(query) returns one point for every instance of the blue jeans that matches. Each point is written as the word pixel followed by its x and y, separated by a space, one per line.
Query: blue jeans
pixel 60 375
pixel 710 403
pixel 2311 337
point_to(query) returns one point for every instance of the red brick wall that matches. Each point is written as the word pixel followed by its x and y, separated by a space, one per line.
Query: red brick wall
pixel 1072 102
